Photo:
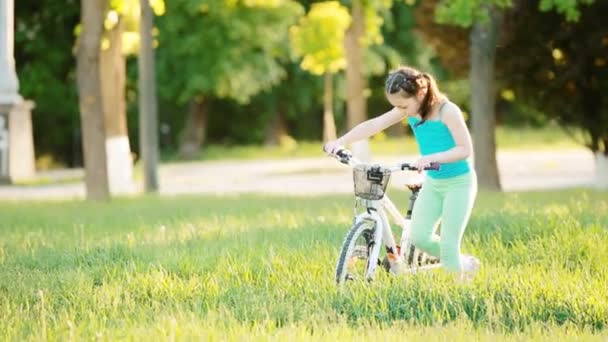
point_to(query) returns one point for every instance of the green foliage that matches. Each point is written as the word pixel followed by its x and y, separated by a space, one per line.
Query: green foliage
pixel 378 57
pixel 44 42
pixel 571 8
pixel 465 12
pixel 129 11
pixel 556 70
pixel 228 49
pixel 162 268
pixel 131 8
pixel 375 11
pixel 319 37
pixel 401 44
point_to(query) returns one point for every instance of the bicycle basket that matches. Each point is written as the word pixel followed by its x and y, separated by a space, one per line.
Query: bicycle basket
pixel 370 181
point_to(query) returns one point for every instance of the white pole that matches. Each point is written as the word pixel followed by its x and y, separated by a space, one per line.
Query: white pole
pixel 9 84
pixel 3 148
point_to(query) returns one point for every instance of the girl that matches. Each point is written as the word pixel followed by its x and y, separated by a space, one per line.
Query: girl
pixel 443 137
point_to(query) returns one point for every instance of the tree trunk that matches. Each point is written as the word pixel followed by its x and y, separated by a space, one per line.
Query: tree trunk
pixel 601 170
pixel 597 145
pixel 90 100
pixel 148 115
pixel 356 111
pixel 276 129
pixel 483 54
pixel 329 125
pixel 113 81
pixel 194 132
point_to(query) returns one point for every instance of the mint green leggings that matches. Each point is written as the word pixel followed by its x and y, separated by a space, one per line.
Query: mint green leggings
pixel 448 199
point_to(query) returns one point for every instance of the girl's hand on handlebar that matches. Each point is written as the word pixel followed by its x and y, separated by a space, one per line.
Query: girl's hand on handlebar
pixel 422 163
pixel 332 147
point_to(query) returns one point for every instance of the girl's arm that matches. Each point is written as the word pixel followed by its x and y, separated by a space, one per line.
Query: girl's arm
pixel 454 120
pixel 372 126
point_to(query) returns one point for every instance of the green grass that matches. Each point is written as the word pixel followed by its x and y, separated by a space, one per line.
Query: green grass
pixel 507 138
pixel 261 268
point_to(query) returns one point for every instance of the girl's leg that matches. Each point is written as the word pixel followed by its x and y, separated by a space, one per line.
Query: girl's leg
pixel 425 216
pixel 457 206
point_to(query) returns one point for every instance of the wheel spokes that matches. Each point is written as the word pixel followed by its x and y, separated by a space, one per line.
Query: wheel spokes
pixel 357 265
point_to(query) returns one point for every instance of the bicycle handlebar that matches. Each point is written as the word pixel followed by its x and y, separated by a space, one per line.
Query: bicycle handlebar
pixel 346 157
pixel 433 166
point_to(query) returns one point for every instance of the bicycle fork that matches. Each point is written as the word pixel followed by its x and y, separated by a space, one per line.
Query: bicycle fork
pixel 380 221
pixel 405 223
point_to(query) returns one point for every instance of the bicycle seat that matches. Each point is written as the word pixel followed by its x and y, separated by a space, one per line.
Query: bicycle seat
pixel 414 186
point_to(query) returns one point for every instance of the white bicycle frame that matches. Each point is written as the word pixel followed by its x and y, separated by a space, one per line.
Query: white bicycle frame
pixel 377 213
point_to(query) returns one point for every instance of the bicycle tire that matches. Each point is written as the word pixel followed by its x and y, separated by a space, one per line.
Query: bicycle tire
pixel 363 228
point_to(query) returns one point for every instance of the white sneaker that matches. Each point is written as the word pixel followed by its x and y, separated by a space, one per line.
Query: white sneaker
pixel 396 264
pixel 470 267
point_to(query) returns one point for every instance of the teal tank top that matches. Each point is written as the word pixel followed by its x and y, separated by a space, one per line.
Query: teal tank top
pixel 433 136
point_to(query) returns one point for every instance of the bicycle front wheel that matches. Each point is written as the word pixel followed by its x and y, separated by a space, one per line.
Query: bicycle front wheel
pixel 355 262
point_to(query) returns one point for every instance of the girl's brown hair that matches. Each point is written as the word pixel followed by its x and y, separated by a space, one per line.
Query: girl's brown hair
pixel 407 81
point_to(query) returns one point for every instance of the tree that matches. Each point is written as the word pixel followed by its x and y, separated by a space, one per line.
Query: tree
pixel 90 99
pixel 122 23
pixel 561 68
pixel 221 49
pixel 356 104
pixel 318 38
pixel 113 85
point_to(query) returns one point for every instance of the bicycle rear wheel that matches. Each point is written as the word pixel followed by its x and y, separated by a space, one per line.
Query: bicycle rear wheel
pixel 354 262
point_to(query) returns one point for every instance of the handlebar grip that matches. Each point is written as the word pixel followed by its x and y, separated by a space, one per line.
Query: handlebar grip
pixel 344 156
pixel 342 153
pixel 434 166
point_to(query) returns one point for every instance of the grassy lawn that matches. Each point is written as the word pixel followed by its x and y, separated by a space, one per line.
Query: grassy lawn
pixel 548 138
pixel 261 268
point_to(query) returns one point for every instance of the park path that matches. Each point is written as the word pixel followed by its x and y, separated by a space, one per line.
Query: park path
pixel 519 171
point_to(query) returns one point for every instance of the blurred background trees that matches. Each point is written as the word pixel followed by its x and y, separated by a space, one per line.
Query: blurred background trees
pixel 560 68
pixel 318 38
pixel 225 50
pixel 228 72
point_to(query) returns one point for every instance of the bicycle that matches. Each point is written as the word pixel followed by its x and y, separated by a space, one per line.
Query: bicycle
pixel 372 226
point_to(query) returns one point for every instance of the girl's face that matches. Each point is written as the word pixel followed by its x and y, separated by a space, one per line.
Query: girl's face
pixel 410 105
